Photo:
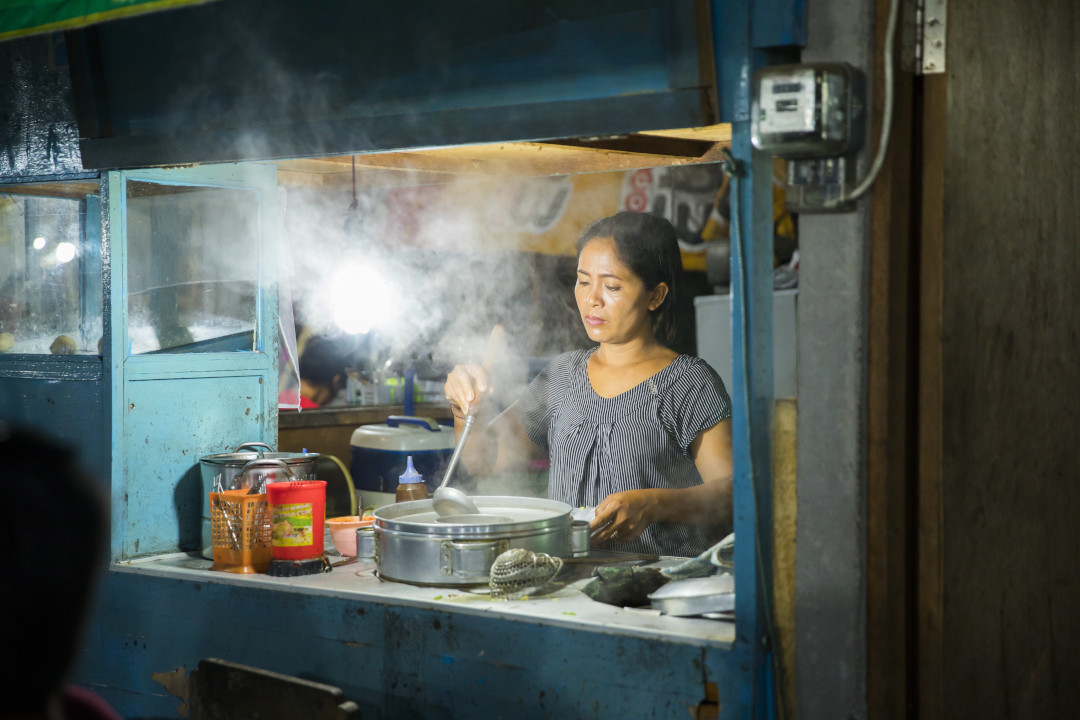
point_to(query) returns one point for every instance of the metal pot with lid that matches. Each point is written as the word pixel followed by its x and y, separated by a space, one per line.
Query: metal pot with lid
pixel 229 466
pixel 413 544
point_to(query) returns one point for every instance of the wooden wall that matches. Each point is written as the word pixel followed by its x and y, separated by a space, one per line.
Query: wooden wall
pixel 1000 499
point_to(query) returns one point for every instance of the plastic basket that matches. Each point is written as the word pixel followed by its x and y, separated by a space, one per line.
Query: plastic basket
pixel 240 531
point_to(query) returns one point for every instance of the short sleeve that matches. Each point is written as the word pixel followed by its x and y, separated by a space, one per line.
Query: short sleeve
pixel 536 407
pixel 695 401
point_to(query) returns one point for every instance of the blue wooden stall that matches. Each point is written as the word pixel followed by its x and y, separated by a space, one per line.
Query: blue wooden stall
pixel 397 78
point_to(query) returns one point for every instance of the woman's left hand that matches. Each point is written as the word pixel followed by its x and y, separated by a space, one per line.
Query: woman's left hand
pixel 624 515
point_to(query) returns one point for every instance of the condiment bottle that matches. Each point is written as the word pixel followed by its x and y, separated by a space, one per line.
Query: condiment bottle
pixel 411 485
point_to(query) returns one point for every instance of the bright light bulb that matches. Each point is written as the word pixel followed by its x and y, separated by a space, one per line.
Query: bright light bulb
pixel 65 252
pixel 361 300
pixel 39 242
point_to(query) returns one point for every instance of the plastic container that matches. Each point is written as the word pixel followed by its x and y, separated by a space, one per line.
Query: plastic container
pixel 298 518
pixel 343 532
pixel 240 531
pixel 380 451
pixel 227 465
pixel 411 484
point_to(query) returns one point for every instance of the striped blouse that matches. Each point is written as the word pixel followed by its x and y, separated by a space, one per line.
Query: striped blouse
pixel 639 439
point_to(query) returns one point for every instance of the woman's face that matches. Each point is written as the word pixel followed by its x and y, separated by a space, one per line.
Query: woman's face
pixel 613 302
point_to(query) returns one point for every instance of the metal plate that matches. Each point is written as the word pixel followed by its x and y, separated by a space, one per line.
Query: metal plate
pixel 695 596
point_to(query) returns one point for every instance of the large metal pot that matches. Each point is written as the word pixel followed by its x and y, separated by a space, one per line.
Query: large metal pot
pixel 229 465
pixel 413 544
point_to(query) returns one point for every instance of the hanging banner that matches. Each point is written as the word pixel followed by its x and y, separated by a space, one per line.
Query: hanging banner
pixel 29 17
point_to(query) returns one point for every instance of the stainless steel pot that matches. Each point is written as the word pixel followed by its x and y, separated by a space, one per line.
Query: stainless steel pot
pixel 229 466
pixel 413 544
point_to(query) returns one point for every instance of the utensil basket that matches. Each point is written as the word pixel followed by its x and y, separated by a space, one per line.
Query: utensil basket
pixel 240 531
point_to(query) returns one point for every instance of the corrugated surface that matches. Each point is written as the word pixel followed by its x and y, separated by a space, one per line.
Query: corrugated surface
pixel 38 132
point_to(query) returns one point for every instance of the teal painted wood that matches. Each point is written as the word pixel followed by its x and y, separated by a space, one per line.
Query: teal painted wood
pixel 751 327
pixel 371 77
pixel 60 395
pixel 751 322
pixel 168 410
pixel 170 423
pixel 394 661
pixel 62 400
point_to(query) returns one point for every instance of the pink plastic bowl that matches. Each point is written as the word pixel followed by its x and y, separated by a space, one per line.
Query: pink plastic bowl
pixel 343 532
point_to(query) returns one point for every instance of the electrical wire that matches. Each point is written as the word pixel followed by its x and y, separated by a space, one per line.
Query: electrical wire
pixel 886 121
pixel 731 167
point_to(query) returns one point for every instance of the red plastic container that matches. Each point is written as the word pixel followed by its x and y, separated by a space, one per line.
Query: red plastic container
pixel 298 512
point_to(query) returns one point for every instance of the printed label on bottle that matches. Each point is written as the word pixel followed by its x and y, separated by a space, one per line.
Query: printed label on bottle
pixel 292 525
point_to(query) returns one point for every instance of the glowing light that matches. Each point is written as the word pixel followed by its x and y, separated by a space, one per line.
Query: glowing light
pixel 65 252
pixel 361 300
pixel 39 242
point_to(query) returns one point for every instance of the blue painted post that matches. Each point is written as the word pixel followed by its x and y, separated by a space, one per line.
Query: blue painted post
pixel 751 323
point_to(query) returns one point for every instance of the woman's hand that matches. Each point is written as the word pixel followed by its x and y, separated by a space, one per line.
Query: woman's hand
pixel 466 387
pixel 624 515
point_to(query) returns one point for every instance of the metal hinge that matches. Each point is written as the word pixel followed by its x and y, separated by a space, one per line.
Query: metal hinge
pixel 923 36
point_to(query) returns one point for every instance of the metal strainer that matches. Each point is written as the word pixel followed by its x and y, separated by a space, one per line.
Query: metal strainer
pixel 519 572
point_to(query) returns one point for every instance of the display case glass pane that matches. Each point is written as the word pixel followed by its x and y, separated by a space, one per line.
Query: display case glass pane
pixel 50 269
pixel 193 257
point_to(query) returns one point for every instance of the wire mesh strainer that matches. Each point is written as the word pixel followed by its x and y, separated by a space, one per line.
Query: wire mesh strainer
pixel 519 572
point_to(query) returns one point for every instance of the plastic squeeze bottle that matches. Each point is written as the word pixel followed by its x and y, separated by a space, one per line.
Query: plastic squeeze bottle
pixel 411 485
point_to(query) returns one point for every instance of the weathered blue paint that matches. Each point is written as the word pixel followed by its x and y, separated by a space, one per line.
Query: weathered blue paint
pixel 399 661
pixel 394 661
pixel 61 397
pixel 367 77
pixel 779 23
pixel 55 394
pixel 168 410
pixel 751 324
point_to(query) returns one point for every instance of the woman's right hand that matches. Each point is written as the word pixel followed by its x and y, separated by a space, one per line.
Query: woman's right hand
pixel 466 388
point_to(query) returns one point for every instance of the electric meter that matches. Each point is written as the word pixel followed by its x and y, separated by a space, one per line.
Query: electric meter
pixel 810 110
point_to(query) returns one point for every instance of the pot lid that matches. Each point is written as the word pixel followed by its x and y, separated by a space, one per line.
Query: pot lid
pixel 239 459
pixel 498 515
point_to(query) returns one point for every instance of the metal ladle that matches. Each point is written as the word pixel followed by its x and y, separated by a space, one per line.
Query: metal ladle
pixel 451 501
pixel 448 500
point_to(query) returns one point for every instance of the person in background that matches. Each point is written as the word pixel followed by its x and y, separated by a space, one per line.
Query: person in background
pixel 322 374
pixel 56 524
pixel 631 427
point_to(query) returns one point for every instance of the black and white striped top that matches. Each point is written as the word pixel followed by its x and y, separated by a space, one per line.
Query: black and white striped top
pixel 639 439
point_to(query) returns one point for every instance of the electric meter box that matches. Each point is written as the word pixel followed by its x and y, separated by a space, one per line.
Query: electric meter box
pixel 808 110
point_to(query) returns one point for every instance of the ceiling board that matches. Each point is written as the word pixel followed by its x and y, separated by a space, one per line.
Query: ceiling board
pixel 552 157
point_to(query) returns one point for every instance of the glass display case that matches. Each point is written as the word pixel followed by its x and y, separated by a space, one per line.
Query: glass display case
pixel 50 269
pixel 192 268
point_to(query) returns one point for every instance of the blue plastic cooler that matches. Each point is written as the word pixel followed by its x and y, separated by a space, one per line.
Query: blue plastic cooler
pixel 379 453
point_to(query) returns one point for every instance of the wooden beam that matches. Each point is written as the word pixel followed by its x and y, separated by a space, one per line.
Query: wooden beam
pixel 74 189
pixel 656 148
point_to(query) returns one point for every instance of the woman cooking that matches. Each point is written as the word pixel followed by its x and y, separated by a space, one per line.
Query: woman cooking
pixel 630 426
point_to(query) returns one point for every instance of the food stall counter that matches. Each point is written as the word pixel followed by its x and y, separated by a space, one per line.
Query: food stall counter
pixel 565 605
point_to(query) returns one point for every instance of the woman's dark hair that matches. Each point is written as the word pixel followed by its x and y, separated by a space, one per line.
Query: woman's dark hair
pixel 647 245
pixel 323 359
